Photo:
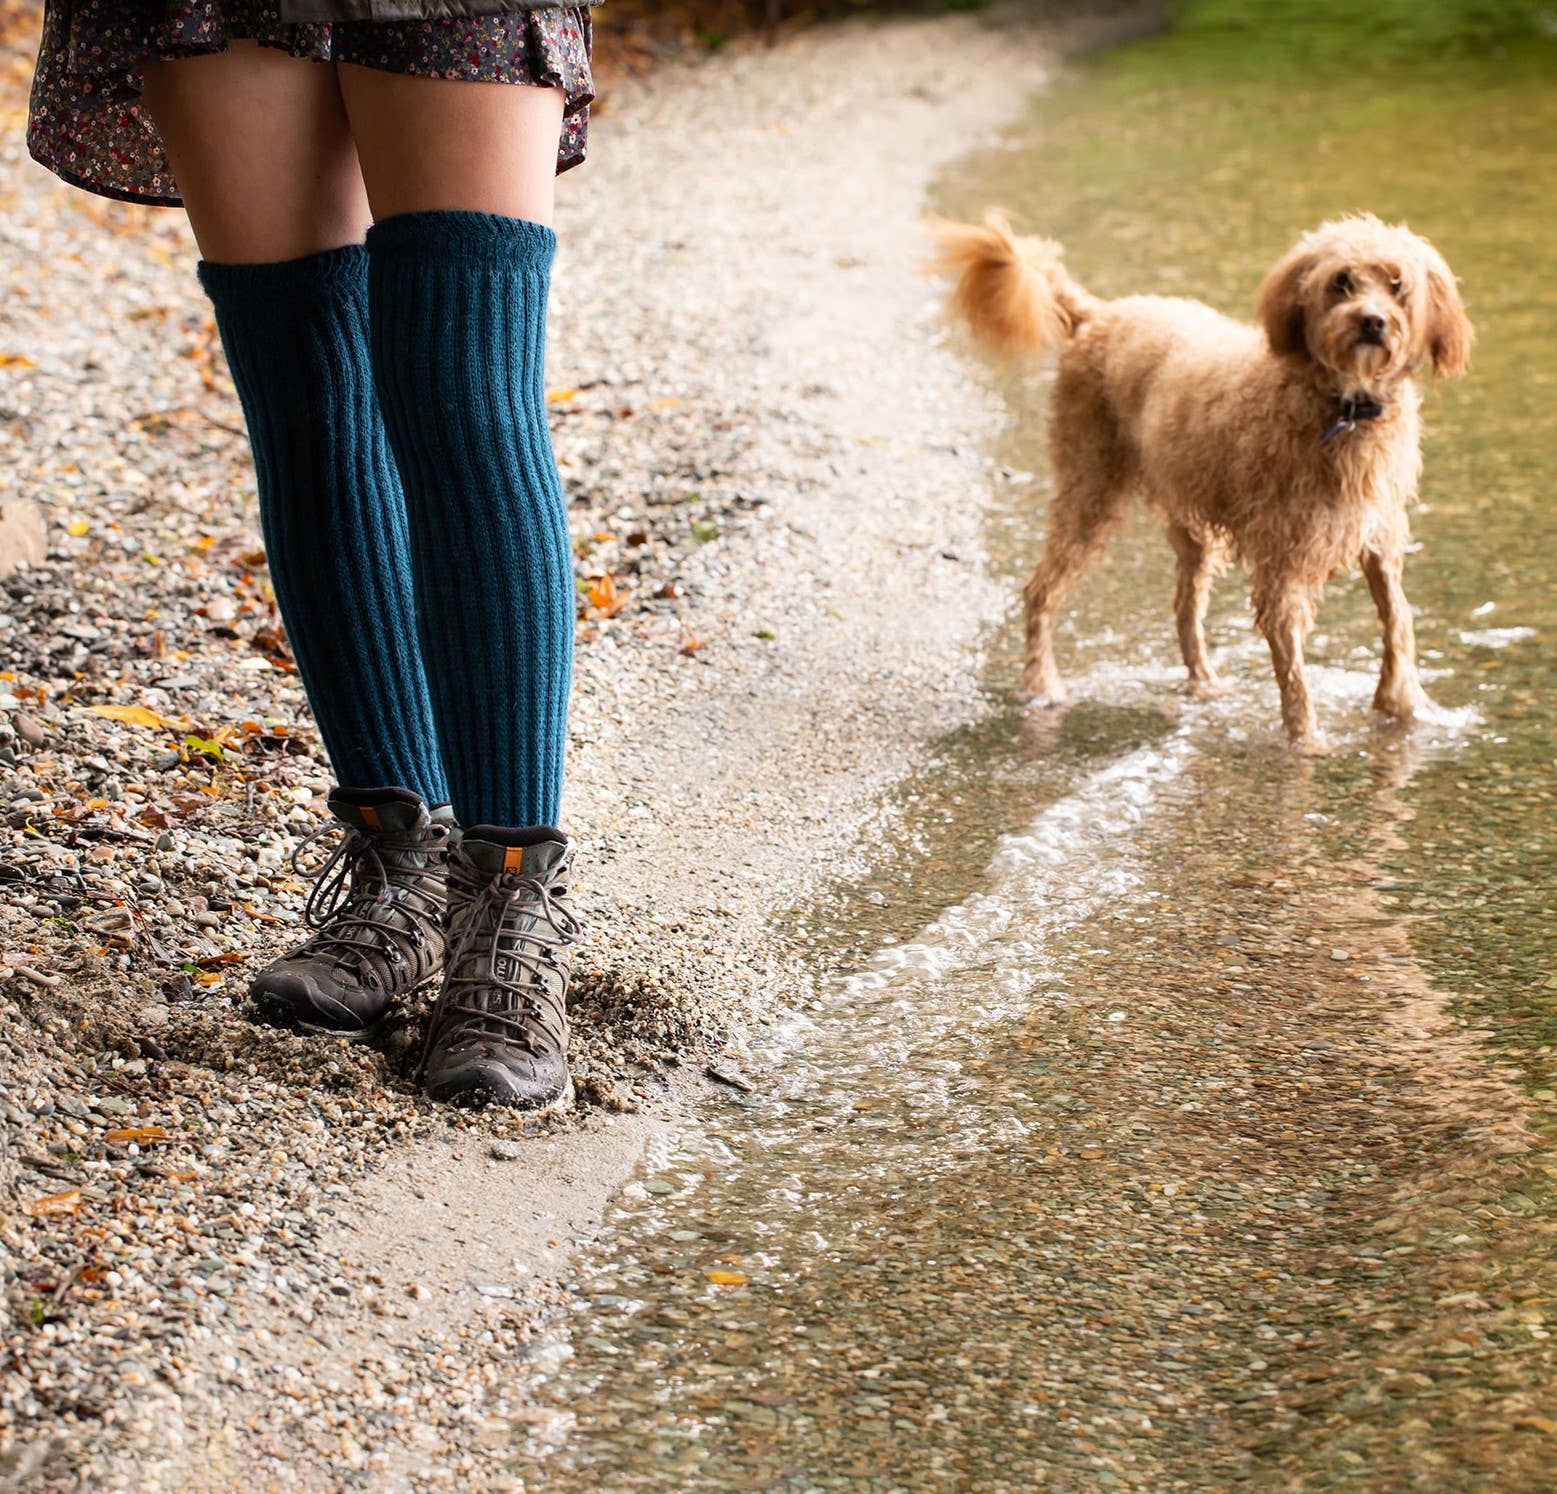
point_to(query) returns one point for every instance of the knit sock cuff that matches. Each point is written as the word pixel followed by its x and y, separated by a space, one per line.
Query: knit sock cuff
pixel 324 274
pixel 464 235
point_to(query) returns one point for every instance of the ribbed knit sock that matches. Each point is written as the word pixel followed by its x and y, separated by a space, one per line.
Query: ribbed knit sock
pixel 458 303
pixel 331 510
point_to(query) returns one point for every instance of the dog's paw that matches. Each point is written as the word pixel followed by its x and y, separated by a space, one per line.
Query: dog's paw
pixel 1207 689
pixel 1040 700
pixel 1310 744
pixel 1404 705
pixel 1038 689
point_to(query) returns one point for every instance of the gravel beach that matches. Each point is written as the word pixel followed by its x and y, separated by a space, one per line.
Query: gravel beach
pixel 234 1253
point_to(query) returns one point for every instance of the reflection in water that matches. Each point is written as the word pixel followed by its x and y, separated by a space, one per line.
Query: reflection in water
pixel 1136 1143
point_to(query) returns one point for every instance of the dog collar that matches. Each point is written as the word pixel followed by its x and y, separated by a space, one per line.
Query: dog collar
pixel 1350 412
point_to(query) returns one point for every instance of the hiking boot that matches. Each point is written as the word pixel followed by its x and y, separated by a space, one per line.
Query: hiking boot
pixel 377 913
pixel 498 1034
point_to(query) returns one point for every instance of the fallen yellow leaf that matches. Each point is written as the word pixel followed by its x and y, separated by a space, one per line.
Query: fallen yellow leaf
pixel 135 715
pixel 16 360
pixel 561 396
pixel 727 1278
pixel 77 527
pixel 54 1203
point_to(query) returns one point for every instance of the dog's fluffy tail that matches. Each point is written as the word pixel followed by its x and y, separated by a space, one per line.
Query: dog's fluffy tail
pixel 1014 293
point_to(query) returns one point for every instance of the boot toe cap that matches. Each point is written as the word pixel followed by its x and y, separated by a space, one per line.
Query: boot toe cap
pixel 521 1081
pixel 303 996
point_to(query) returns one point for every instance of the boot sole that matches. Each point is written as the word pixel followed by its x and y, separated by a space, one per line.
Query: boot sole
pixel 486 1099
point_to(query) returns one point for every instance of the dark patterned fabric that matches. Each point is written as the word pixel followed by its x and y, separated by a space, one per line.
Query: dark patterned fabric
pixel 86 123
pixel 402 10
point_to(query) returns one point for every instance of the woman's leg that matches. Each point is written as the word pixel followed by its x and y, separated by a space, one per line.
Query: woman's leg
pixel 432 144
pixel 262 150
pixel 460 177
pixel 459 173
pixel 263 155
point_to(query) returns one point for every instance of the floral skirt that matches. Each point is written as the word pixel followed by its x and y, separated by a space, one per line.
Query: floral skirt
pixel 86 123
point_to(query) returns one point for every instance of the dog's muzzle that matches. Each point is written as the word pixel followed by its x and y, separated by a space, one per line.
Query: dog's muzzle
pixel 1370 331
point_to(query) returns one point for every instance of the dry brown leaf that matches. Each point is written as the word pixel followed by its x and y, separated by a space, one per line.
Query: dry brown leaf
pixel 54 1203
pixel 605 597
pixel 135 1136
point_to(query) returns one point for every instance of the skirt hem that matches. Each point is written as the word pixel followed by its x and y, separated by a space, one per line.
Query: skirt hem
pixel 86 123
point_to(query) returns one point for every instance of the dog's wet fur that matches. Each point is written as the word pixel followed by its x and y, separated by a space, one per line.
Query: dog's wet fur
pixel 1294 445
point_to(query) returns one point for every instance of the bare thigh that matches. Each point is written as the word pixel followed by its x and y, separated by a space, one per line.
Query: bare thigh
pixel 441 144
pixel 262 150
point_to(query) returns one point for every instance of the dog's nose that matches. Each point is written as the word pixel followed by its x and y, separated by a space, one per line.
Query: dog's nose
pixel 1372 327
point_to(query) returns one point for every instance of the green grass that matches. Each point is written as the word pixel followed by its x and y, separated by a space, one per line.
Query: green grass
pixel 1279 36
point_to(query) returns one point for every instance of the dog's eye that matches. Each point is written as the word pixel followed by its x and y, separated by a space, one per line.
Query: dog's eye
pixel 1397 288
pixel 1343 284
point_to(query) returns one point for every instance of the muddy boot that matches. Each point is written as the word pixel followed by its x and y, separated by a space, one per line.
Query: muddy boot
pixel 377 913
pixel 498 1034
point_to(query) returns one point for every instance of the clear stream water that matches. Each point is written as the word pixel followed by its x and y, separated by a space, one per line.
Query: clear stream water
pixel 1174 1113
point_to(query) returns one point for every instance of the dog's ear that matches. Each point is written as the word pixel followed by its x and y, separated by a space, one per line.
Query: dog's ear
pixel 1281 305
pixel 1449 331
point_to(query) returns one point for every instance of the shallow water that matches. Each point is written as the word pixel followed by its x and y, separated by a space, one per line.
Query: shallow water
pixel 1174 1113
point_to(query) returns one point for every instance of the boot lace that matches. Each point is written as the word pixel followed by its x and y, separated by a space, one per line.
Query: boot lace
pixel 503 991
pixel 356 894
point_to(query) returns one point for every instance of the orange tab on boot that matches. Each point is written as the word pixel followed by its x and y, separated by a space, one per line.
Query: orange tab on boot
pixel 513 858
pixel 369 816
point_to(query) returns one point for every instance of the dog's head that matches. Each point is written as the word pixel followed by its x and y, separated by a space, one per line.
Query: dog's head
pixel 1370 301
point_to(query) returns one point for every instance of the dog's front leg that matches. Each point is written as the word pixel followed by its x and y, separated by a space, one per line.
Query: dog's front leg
pixel 1400 692
pixel 1284 615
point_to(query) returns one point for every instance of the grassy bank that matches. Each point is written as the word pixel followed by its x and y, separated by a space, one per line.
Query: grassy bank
pixel 1275 36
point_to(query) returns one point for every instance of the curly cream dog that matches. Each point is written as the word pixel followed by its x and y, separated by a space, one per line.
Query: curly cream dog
pixel 1294 445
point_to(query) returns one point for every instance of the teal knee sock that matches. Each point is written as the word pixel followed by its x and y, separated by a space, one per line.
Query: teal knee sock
pixel 458 310
pixel 331 510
